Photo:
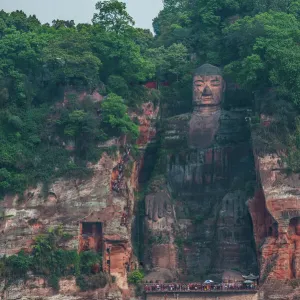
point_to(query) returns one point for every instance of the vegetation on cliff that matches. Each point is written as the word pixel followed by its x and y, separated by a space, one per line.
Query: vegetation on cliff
pixel 48 260
pixel 256 44
pixel 48 130
pixel 43 69
pixel 255 41
pixel 135 277
pixel 38 64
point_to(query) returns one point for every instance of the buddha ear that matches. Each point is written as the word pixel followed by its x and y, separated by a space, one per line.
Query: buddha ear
pixel 224 86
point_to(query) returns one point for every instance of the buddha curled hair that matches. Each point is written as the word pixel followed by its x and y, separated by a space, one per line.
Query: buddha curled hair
pixel 207 70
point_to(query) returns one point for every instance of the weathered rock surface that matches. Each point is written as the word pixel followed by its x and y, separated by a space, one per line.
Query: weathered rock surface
pixel 70 203
pixel 280 249
pixel 275 212
pixel 147 123
pixel 35 289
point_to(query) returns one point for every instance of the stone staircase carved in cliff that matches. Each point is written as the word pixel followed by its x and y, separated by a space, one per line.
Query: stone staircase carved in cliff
pixel 118 172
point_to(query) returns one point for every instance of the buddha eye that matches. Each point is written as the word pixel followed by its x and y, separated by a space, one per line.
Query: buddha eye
pixel 215 83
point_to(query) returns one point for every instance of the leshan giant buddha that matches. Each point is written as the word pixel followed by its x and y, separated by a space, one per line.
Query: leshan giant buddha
pixel 196 214
pixel 208 91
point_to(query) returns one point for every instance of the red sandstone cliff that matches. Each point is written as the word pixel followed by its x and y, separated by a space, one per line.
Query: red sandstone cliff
pixel 275 212
pixel 73 203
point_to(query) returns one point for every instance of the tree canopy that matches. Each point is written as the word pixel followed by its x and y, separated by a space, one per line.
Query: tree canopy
pixel 43 70
pixel 256 42
pixel 112 15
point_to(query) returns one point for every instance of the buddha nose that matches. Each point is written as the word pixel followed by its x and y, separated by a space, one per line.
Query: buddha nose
pixel 207 92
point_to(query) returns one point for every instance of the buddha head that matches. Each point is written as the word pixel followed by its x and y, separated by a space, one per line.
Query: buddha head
pixel 208 86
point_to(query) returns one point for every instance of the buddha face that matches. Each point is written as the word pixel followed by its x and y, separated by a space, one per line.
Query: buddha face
pixel 208 90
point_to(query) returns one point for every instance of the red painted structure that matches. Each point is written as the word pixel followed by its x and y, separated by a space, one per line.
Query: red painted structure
pixel 154 84
pixel 151 85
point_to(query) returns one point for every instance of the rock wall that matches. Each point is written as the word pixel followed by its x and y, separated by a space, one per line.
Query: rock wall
pixel 197 206
pixel 71 203
pixel 35 288
pixel 67 204
pixel 275 211
pixel 280 249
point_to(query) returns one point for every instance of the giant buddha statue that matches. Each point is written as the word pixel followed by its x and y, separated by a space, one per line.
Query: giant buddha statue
pixel 208 91
pixel 208 124
pixel 201 197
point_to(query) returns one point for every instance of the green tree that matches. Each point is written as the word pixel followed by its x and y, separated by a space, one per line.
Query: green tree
pixel 17 265
pixel 115 117
pixel 63 24
pixel 135 277
pixel 266 55
pixel 68 60
pixel 171 63
pixel 121 56
pixel 112 15
pixel 88 259
pixel 118 85
pixel 38 63
pixel 292 158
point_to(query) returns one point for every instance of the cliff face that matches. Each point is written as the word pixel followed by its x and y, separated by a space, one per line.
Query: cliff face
pixel 197 219
pixel 97 214
pixel 276 222
pixel 276 218
pixel 197 224
pixel 198 210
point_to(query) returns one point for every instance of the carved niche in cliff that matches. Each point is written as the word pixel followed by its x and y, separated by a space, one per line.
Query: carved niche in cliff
pixel 96 236
pixel 91 236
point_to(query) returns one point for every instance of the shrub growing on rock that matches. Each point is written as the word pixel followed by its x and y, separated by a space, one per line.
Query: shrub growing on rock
pixel 136 277
pixel 92 282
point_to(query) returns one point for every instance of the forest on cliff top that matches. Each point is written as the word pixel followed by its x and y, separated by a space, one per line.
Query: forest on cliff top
pixel 256 42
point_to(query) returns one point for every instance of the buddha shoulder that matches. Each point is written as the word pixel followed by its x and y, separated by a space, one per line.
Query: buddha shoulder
pixel 176 128
pixel 177 123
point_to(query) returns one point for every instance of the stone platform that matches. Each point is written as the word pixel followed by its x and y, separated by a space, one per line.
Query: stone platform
pixel 204 295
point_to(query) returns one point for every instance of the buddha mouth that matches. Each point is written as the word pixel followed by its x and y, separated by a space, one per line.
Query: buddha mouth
pixel 207 99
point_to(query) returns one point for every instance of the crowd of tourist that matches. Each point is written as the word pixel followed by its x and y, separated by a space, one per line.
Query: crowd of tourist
pixel 193 287
pixel 119 168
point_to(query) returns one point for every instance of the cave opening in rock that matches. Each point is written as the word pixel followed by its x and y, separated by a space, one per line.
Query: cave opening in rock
pixel 270 231
pixel 294 226
pixel 91 236
pixel 273 230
